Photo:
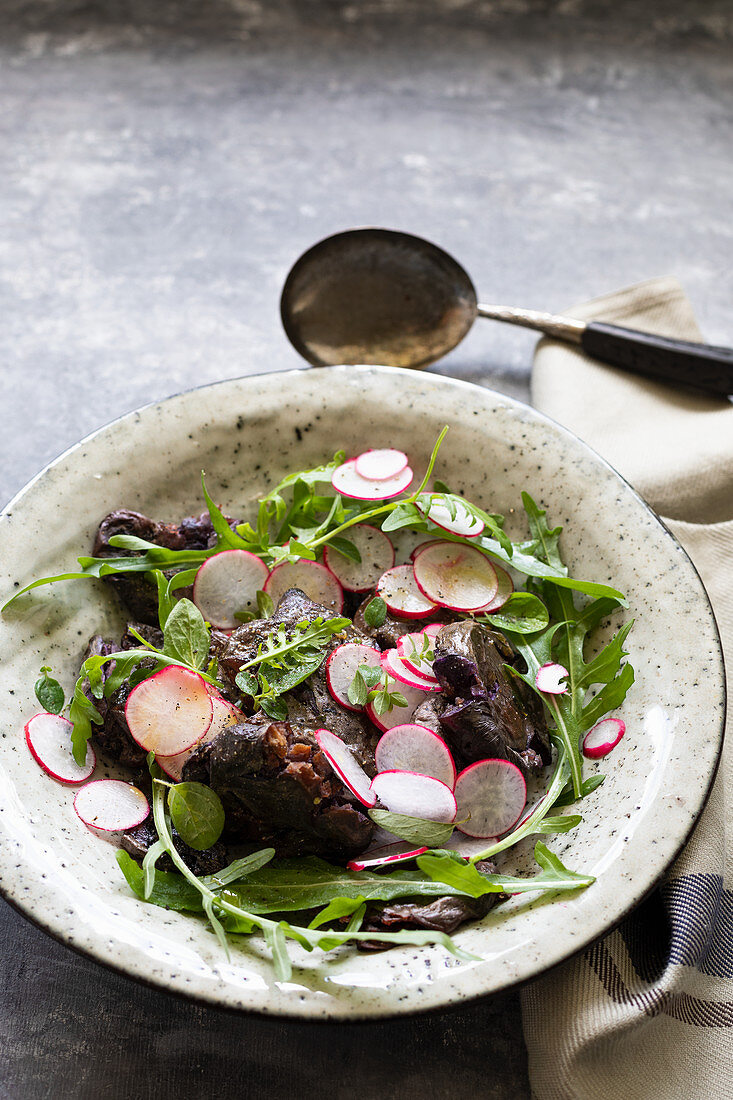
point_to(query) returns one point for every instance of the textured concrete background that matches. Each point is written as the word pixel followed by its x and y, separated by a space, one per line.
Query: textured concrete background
pixel 161 166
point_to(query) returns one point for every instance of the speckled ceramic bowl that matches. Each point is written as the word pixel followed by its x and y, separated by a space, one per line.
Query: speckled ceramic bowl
pixel 246 434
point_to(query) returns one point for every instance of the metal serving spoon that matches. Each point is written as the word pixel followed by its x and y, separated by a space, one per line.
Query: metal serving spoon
pixel 381 296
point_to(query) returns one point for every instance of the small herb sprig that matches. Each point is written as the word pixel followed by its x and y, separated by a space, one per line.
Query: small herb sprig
pixel 285 659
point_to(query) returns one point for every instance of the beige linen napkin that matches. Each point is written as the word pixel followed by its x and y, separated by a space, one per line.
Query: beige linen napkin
pixel 648 1011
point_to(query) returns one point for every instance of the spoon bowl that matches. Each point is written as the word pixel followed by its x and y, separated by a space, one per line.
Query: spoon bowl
pixel 376 296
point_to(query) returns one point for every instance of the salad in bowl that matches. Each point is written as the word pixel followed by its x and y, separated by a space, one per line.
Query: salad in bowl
pixel 339 715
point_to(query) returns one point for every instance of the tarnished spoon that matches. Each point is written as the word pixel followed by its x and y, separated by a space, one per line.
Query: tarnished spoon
pixel 381 296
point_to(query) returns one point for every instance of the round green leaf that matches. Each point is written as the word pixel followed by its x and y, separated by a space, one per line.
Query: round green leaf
pixel 197 814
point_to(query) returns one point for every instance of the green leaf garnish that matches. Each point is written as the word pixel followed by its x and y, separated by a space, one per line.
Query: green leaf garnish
pixel 186 636
pixel 49 692
pixel 415 830
pixel 197 813
pixel 375 612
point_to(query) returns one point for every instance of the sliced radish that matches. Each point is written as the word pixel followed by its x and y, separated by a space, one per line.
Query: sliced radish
pixel 549 678
pixel 339 756
pixel 455 576
pixel 380 464
pixel 318 583
pixel 224 714
pixel 349 483
pixel 381 857
pixel 396 716
pixel 170 711
pixel 410 648
pixel 48 736
pixel 458 520
pixel 423 546
pixel 604 736
pixel 341 668
pixel 111 805
pixel 432 629
pixel 401 594
pixel 490 796
pixel 377 554
pixel 413 748
pixel 415 795
pixel 503 592
pixel 226 583
pixel 393 664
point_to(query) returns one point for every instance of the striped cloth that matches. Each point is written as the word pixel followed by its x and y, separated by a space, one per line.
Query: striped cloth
pixel 647 1012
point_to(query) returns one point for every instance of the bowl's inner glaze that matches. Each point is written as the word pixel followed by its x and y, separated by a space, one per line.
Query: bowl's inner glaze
pixel 246 435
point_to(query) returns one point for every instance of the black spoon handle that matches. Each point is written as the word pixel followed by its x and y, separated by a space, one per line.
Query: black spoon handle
pixel 674 361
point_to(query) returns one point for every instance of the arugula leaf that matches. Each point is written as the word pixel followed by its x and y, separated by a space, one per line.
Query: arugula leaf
pixel 151 857
pixel 404 515
pixel 225 536
pixel 568 797
pixel 285 659
pixel 169 889
pixel 275 940
pixel 523 613
pixel 240 868
pixel 49 692
pixel 166 587
pixel 346 549
pixel 338 908
pixel 82 713
pixel 309 882
pixel 197 813
pixel 466 878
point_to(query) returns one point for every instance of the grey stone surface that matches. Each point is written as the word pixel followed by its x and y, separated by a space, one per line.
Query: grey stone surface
pixel 161 166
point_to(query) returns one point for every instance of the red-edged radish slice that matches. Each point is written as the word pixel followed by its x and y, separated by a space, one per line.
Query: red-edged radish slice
pixel 380 464
pixel 48 736
pixel 415 795
pixel 111 805
pixel 226 583
pixel 503 592
pixel 397 716
pixel 377 554
pixel 349 483
pixel 341 668
pixel 414 748
pixel 490 796
pixel 550 679
pixel 224 714
pixel 339 756
pixel 381 857
pixel 461 521
pixel 604 736
pixel 455 576
pixel 318 583
pixel 409 650
pixel 170 711
pixel 402 596
pixel 423 546
pixel 432 629
pixel 393 664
